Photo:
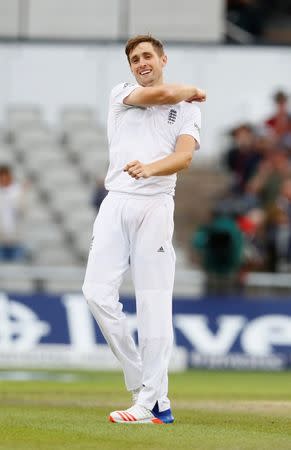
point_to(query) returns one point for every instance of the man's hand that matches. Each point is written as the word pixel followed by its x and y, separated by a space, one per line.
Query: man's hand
pixel 199 96
pixel 137 170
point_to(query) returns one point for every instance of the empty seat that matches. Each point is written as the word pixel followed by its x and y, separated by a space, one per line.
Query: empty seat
pixel 73 199
pixel 56 256
pixel 78 219
pixel 43 162
pixel 82 243
pixel 20 114
pixel 37 215
pixel 64 286
pixel 94 164
pixel 17 285
pixel 61 177
pixel 7 156
pixel 34 138
pixel 77 113
pixel 84 140
pixel 46 233
pixel 77 118
pixel 32 201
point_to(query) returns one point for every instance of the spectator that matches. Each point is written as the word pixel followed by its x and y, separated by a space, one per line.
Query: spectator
pixel 243 158
pixel 11 210
pixel 252 225
pixel 99 194
pixel 266 183
pixel 280 122
pixel 220 244
pixel 280 229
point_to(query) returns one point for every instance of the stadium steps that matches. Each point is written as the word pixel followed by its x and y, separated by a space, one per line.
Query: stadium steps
pixel 196 193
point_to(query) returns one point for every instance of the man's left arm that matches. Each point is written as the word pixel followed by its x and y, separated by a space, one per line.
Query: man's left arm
pixel 178 160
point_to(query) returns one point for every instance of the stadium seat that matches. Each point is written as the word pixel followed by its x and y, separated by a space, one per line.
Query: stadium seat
pixel 86 139
pixel 20 114
pixel 52 255
pixel 7 156
pixel 33 138
pixel 57 190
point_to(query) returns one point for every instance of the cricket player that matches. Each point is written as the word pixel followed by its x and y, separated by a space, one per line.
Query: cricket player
pixel 153 130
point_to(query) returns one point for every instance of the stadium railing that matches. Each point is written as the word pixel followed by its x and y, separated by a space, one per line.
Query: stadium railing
pixel 64 279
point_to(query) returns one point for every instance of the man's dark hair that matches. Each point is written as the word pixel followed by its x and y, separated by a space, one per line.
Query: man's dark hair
pixel 280 97
pixel 136 40
pixel 5 169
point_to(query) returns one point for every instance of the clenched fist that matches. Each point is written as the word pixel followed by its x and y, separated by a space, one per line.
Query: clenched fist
pixel 199 96
pixel 137 170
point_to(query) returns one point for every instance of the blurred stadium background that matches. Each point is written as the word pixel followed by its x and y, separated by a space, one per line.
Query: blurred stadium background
pixel 58 62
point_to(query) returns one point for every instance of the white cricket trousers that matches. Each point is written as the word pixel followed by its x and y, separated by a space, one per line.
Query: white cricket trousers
pixel 135 231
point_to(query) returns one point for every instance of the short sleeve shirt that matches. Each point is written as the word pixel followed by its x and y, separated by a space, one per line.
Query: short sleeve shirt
pixel 146 134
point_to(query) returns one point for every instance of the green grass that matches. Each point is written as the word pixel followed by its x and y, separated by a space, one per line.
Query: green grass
pixel 213 410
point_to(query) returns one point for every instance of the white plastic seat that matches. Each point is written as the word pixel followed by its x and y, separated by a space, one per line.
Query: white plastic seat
pixel 16 114
pixel 83 241
pixel 17 285
pixel 77 113
pixel 34 138
pixel 42 163
pixel 36 214
pixel 32 200
pixel 77 118
pixel 59 178
pixel 7 155
pixel 64 286
pixel 83 216
pixel 47 232
pixel 87 138
pixel 95 168
pixel 55 256
pixel 69 200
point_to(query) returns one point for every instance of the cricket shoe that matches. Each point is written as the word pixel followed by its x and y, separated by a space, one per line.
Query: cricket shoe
pixel 135 414
pixel 165 416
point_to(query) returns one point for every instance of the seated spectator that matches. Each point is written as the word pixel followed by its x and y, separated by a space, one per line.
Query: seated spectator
pixel 219 245
pixel 280 122
pixel 266 183
pixel 11 210
pixel 252 225
pixel 280 229
pixel 243 158
pixel 99 194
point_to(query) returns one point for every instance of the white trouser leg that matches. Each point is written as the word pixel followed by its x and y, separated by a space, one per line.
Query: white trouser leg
pixel 153 267
pixel 108 260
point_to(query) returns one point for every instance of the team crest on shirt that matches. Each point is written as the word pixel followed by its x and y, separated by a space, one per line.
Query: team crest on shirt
pixel 172 116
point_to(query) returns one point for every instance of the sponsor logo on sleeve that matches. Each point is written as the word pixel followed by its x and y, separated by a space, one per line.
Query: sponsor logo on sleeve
pixel 127 84
pixel 197 127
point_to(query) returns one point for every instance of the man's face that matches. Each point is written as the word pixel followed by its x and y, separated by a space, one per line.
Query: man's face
pixel 146 65
pixel 286 189
pixel 5 179
pixel 244 138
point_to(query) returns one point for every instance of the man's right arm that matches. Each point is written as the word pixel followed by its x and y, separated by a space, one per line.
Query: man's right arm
pixel 166 94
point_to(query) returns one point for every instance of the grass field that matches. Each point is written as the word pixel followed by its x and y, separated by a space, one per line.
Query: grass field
pixel 213 411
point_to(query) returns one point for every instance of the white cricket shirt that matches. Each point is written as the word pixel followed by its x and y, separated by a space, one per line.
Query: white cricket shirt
pixel 146 134
pixel 10 208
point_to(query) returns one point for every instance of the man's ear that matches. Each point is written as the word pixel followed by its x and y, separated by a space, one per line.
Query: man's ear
pixel 164 60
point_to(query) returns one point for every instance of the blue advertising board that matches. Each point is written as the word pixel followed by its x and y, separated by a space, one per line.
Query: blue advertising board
pixel 49 330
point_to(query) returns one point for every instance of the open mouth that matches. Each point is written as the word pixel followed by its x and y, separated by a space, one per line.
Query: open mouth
pixel 145 72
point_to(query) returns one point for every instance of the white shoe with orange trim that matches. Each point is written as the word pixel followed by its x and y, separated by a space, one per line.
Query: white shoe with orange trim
pixel 135 414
